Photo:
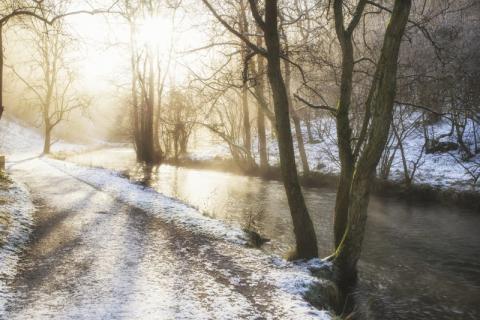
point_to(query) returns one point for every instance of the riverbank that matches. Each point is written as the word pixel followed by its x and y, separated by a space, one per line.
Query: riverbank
pixel 383 188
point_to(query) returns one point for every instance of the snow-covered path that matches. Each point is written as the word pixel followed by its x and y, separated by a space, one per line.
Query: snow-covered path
pixel 93 255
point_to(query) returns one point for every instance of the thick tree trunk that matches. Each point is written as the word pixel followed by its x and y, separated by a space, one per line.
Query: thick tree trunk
pixel 306 242
pixel 347 162
pixel 342 201
pixel 344 132
pixel 380 101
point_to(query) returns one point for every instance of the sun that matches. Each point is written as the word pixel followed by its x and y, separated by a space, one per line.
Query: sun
pixel 156 32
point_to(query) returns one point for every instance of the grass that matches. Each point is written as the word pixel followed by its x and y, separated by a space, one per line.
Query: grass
pixel 5 219
pixel 324 295
pixel 61 155
pixel 4 178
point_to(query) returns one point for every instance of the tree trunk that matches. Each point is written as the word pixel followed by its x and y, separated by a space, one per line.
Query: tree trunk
pixel 295 118
pixel 143 106
pixel 1 71
pixel 406 174
pixel 158 112
pixel 475 142
pixel 380 101
pixel 47 141
pixel 262 139
pixel 306 242
pixel 300 142
pixel 134 111
pixel 460 125
pixel 149 117
pixel 296 123
pixel 308 123
pixel 344 132
pixel 247 135
pixel 260 92
pixel 156 127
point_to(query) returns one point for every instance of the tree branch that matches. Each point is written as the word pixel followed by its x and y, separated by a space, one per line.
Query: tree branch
pixel 242 37
pixel 322 107
pixel 440 114
pixel 256 14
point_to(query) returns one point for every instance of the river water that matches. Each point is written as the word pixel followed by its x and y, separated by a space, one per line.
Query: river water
pixel 419 261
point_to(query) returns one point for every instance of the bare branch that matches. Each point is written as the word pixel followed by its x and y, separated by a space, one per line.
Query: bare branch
pixel 322 107
pixel 256 14
pixel 238 34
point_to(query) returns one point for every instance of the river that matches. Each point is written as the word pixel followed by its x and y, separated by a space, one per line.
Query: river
pixel 419 260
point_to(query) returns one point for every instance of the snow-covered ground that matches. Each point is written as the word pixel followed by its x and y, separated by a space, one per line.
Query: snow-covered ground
pixel 108 270
pixel 16 211
pixel 439 170
pixel 16 140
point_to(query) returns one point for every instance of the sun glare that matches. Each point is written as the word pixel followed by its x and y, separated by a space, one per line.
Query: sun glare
pixel 156 32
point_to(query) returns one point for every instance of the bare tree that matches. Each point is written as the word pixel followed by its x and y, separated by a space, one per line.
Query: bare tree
pixel 245 52
pixel 404 125
pixel 54 85
pixel 148 78
pixel 372 139
pixel 178 121
pixel 306 242
pixel 36 9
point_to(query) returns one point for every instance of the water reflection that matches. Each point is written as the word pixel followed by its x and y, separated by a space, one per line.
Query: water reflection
pixel 419 261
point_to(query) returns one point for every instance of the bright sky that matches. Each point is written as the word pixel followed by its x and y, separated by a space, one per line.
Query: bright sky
pixel 104 57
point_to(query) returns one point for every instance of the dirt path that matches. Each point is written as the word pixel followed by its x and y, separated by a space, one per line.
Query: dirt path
pixel 91 256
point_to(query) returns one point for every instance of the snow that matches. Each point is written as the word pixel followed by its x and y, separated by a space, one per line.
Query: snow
pixel 292 280
pixel 17 140
pixel 439 170
pixel 217 150
pixel 16 211
pixel 150 201
pixel 127 277
pixel 202 297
